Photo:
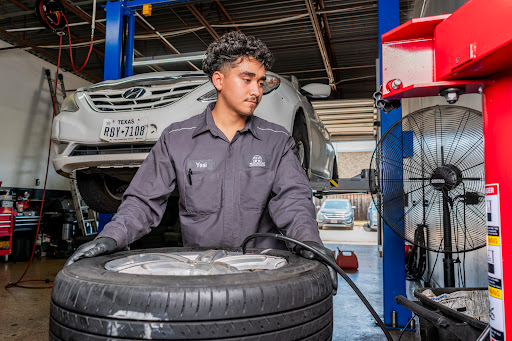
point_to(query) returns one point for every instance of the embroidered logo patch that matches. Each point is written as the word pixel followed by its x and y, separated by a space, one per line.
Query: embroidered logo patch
pixel 257 161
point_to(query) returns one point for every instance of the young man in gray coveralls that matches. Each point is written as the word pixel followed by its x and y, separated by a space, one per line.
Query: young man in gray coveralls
pixel 236 173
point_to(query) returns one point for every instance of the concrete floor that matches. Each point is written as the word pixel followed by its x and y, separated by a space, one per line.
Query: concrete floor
pixel 358 235
pixel 24 313
pixel 352 320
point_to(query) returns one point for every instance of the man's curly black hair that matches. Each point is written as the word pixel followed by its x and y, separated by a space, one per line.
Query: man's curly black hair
pixel 227 49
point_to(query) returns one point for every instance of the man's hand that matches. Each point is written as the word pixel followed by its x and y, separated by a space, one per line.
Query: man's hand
pixel 100 246
pixel 323 250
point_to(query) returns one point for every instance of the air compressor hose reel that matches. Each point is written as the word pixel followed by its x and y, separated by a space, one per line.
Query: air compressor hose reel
pixel 51 14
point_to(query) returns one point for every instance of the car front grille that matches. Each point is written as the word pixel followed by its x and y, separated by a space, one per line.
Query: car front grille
pixel 336 216
pixel 112 149
pixel 155 96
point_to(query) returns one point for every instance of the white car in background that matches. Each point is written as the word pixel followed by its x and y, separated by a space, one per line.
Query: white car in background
pixel 105 131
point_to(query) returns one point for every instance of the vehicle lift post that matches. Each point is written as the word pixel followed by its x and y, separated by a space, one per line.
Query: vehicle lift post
pixel 469 51
pixel 393 246
pixel 117 13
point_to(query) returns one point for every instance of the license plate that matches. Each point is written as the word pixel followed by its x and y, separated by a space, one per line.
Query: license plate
pixel 131 129
pixel 334 221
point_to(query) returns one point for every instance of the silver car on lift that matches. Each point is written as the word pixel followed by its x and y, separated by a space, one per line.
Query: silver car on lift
pixel 105 131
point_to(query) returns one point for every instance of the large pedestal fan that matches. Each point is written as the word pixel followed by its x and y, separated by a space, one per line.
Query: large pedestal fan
pixel 429 181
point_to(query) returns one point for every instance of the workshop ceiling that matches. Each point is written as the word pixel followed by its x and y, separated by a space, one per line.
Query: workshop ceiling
pixel 349 30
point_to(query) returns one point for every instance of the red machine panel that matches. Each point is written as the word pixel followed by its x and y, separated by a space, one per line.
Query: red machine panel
pixel 475 41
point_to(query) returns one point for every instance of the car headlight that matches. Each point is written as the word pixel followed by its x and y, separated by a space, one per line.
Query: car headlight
pixel 320 217
pixel 210 96
pixel 69 104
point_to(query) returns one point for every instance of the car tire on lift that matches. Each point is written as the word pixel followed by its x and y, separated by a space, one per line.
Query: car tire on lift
pixel 90 302
pixel 94 191
pixel 300 135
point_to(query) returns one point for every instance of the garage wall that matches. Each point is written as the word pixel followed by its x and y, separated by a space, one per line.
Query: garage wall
pixel 476 261
pixel 352 163
pixel 26 113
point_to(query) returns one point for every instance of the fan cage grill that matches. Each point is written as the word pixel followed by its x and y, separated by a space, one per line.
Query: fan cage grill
pixel 432 140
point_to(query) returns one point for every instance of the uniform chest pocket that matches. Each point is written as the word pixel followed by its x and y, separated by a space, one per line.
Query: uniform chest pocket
pixel 203 192
pixel 255 186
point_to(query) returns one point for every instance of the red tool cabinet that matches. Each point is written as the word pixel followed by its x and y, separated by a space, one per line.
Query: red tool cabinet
pixel 6 227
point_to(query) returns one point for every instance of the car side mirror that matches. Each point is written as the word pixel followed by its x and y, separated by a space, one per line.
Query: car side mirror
pixel 318 207
pixel 316 90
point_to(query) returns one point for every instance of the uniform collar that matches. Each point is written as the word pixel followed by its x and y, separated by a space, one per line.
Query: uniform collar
pixel 206 123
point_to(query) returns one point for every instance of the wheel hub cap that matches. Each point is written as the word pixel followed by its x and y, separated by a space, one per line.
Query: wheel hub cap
pixel 211 262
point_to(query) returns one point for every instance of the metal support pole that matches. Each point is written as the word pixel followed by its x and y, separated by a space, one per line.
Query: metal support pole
pixel 113 39
pixel 128 63
pixel 448 266
pixel 393 246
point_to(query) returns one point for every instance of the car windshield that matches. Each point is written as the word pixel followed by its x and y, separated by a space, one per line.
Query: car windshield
pixel 339 205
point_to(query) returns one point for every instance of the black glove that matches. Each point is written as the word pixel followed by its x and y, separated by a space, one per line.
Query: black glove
pixel 323 250
pixel 100 246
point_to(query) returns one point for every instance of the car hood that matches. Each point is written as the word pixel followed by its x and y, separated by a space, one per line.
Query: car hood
pixel 152 78
pixel 146 79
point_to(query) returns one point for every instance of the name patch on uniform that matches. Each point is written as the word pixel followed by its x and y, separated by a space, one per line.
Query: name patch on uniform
pixel 201 165
pixel 256 161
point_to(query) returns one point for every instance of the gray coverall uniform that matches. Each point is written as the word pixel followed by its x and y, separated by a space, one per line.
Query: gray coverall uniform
pixel 228 189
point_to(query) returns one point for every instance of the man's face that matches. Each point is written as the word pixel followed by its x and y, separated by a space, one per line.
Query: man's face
pixel 241 87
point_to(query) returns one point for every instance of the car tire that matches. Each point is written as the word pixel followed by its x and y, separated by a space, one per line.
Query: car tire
pixel 300 136
pixel 90 302
pixel 94 189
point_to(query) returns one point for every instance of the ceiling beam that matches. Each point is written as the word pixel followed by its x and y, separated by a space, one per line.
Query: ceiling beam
pixel 330 47
pixel 203 21
pixel 288 48
pixel 363 5
pixel 321 70
pixel 150 29
pixel 321 43
pixel 82 14
pixel 46 53
pixel 226 14
pixel 99 26
pixel 6 12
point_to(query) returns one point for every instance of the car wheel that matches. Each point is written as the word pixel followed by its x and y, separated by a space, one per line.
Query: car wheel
pixel 101 193
pixel 300 135
pixel 192 294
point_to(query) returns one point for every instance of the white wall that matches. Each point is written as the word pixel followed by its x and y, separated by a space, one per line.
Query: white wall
pixel 25 116
pixel 476 261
